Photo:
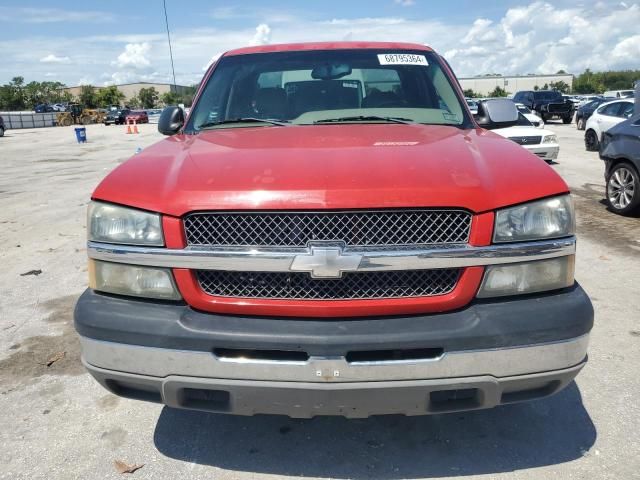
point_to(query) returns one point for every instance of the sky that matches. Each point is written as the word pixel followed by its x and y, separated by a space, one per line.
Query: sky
pixel 104 43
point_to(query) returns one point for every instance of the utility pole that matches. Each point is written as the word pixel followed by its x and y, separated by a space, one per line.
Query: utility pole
pixel 166 21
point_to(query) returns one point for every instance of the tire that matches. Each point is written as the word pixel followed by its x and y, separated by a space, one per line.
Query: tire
pixel 1 132
pixel 566 120
pixel 623 189
pixel 66 122
pixel 591 142
pixel 85 120
pixel 580 124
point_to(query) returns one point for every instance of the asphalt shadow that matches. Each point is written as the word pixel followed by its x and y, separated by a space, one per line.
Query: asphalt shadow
pixel 508 438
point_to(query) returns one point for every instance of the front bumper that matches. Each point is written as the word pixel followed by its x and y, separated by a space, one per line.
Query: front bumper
pixel 486 354
pixel 548 152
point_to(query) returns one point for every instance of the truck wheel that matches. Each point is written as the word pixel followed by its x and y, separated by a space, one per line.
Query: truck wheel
pixel 623 189
pixel 1 132
pixel 85 120
pixel 66 122
pixel 591 142
pixel 566 120
pixel 580 124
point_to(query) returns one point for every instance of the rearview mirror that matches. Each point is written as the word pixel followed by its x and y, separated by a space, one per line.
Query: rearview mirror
pixel 331 71
pixel 497 113
pixel 171 120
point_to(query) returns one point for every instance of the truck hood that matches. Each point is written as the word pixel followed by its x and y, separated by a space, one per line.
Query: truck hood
pixel 330 167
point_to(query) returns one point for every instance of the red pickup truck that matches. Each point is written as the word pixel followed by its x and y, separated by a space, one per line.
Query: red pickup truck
pixel 331 232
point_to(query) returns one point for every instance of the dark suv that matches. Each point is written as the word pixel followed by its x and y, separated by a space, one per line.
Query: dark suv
pixel 547 103
pixel 116 117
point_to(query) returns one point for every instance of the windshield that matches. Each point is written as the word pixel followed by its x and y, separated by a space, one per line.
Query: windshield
pixel 327 86
pixel 548 96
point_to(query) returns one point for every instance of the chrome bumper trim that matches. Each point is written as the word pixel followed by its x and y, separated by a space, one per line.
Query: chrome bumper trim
pixel 281 259
pixel 159 362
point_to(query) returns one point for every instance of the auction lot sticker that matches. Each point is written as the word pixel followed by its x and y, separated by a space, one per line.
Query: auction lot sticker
pixel 402 59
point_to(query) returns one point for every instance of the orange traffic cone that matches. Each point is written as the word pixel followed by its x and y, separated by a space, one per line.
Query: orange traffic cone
pixel 129 131
pixel 135 127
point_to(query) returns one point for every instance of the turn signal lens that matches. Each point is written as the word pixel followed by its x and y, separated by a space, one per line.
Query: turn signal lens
pixel 122 279
pixel 531 277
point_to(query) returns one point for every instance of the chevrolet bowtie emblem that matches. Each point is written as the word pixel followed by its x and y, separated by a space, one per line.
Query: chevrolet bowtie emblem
pixel 325 262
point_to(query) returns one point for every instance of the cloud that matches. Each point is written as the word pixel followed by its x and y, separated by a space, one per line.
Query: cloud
pixel 135 55
pixel 262 36
pixel 405 3
pixel 54 15
pixel 51 58
pixel 535 36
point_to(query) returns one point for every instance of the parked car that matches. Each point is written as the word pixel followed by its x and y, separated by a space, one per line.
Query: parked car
pixel 547 103
pixel 58 107
pixel 605 116
pixel 116 117
pixel 2 127
pixel 620 151
pixel 43 108
pixel 473 105
pixel 535 120
pixel 619 93
pixel 312 250
pixel 154 114
pixel 138 116
pixel 585 111
pixel 539 141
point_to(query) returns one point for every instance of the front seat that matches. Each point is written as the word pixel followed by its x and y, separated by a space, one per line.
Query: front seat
pixel 271 103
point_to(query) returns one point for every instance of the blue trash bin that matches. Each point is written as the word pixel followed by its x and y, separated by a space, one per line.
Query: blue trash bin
pixel 81 135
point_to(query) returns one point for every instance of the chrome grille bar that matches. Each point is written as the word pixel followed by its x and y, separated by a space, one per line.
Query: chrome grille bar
pixel 280 259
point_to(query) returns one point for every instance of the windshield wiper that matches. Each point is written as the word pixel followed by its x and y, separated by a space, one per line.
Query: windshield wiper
pixel 365 118
pixel 243 120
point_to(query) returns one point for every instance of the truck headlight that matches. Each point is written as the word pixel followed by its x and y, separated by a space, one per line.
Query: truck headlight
pixel 115 224
pixel 550 139
pixel 542 219
pixel 530 277
pixel 122 279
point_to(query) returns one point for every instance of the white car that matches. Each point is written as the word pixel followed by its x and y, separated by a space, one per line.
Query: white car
pixel 618 93
pixel 473 105
pixel 606 116
pixel 539 141
pixel 535 120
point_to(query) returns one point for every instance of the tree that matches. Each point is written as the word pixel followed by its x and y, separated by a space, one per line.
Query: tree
pixel 561 72
pixel 469 93
pixel 560 86
pixel 498 92
pixel 170 98
pixel 88 96
pixel 12 95
pixel 148 97
pixel 109 96
pixel 134 102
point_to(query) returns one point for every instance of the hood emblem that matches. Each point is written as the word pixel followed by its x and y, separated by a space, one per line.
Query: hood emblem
pixel 326 262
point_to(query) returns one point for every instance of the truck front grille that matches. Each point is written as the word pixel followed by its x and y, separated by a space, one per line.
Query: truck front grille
pixel 354 228
pixel 528 140
pixel 353 285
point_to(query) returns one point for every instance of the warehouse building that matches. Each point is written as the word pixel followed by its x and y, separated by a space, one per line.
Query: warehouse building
pixel 130 90
pixel 485 84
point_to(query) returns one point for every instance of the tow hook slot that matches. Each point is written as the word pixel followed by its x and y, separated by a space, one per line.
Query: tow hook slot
pixel 390 356
pixel 251 355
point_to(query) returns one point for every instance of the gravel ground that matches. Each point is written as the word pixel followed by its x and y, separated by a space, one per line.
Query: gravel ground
pixel 56 422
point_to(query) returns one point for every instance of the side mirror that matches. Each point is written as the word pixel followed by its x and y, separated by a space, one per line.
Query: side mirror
pixel 498 113
pixel 171 120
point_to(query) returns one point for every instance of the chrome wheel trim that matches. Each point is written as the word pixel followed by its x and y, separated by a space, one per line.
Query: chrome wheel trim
pixel 621 188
